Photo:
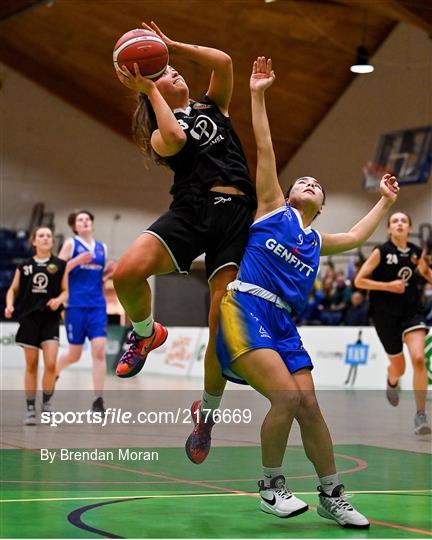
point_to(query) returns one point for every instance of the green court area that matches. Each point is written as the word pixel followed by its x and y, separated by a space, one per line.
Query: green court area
pixel 173 498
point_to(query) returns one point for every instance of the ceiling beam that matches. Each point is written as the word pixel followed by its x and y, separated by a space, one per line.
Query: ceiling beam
pixel 10 10
pixel 398 10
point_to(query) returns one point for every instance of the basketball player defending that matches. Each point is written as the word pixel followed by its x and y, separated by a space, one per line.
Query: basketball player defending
pixel 258 343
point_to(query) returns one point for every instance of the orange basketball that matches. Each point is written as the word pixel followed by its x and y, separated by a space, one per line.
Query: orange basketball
pixel 144 48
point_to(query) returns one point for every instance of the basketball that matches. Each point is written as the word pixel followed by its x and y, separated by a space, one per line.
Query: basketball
pixel 144 48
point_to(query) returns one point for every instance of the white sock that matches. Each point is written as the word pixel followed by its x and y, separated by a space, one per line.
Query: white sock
pixel 144 328
pixel 271 472
pixel 210 403
pixel 328 483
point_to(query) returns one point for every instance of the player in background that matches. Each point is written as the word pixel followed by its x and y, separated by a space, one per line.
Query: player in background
pixel 258 343
pixel 36 297
pixel 213 203
pixel 86 308
pixel 391 275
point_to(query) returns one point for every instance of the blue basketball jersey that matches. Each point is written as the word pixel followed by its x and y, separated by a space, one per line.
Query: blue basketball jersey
pixel 85 281
pixel 282 257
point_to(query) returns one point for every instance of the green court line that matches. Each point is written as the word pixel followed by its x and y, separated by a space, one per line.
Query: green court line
pixel 244 520
pixel 382 492
pixel 405 505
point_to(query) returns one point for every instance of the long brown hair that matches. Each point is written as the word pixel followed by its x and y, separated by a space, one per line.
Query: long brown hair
pixel 143 124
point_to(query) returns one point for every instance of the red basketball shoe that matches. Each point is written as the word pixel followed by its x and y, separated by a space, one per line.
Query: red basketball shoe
pixel 199 441
pixel 134 358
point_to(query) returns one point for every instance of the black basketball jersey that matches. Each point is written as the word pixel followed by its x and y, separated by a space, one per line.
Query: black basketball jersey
pixel 212 153
pixel 397 263
pixel 40 280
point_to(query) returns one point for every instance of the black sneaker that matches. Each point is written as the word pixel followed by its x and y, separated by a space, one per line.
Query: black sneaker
pixel 98 406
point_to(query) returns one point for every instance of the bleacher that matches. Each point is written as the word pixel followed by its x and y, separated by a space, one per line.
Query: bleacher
pixel 15 248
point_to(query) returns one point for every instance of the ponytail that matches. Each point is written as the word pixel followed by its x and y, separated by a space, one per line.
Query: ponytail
pixel 143 124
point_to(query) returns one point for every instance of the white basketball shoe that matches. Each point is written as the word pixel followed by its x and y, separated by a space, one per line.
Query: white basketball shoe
pixel 336 507
pixel 277 499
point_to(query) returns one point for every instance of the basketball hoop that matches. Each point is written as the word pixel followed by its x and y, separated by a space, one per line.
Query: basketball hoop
pixel 372 174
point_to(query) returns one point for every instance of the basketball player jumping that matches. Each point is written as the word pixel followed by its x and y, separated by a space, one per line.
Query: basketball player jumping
pixel 213 202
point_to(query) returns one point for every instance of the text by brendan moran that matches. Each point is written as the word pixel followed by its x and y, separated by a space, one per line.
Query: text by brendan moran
pixel 96 454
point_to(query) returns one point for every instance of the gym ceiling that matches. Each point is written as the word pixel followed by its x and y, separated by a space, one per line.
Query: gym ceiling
pixel 66 46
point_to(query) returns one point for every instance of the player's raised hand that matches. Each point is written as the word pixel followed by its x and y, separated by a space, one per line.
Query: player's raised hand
pixel 262 75
pixel 389 187
pixel 153 27
pixel 136 81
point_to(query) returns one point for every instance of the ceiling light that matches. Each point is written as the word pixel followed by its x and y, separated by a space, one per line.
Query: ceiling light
pixel 362 64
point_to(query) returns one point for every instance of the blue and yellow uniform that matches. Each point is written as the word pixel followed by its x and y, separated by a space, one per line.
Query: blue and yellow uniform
pixel 86 310
pixel 276 275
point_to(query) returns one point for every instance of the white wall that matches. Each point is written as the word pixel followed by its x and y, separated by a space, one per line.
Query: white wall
pixel 56 154
pixel 397 95
pixel 183 355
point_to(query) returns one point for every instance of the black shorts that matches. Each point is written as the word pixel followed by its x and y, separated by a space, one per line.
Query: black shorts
pixel 391 329
pixel 37 328
pixel 216 224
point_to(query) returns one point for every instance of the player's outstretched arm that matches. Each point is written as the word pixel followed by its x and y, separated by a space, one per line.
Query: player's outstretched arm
pixel 269 192
pixel 220 64
pixel 337 243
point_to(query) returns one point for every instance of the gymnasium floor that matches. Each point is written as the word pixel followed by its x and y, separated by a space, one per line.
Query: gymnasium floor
pixel 386 469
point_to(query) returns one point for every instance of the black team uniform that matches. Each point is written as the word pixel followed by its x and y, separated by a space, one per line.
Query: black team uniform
pixel 40 280
pixel 394 314
pixel 199 220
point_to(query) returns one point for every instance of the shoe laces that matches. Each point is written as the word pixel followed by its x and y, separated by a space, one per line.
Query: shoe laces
pixel 338 500
pixel 342 503
pixel 134 349
pixel 283 492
